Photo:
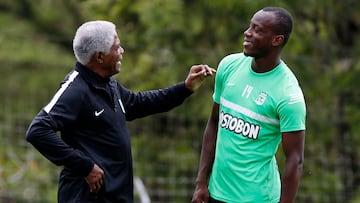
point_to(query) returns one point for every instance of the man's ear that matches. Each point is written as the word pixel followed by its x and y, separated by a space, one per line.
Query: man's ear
pixel 99 57
pixel 278 40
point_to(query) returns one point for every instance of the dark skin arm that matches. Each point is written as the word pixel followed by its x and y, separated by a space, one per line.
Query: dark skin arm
pixel 201 193
pixel 293 146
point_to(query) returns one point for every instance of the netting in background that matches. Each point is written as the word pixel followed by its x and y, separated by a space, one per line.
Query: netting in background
pixel 317 185
pixel 168 176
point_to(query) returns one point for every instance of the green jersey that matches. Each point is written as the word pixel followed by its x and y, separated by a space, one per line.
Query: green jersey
pixel 254 108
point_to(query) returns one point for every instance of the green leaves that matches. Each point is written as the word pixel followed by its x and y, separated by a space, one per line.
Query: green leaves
pixel 162 39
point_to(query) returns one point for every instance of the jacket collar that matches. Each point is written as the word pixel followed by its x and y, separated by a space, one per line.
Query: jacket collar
pixel 91 77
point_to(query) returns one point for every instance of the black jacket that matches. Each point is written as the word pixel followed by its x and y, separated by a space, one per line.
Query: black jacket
pixel 90 113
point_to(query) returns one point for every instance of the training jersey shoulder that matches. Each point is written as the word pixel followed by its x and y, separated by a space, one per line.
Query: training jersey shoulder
pixel 232 61
pixel 229 64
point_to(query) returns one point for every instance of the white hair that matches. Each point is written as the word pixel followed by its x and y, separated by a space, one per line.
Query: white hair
pixel 92 37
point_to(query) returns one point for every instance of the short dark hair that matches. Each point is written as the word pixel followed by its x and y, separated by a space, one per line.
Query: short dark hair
pixel 284 22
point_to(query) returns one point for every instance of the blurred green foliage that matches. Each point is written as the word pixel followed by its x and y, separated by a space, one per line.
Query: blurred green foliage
pixel 162 39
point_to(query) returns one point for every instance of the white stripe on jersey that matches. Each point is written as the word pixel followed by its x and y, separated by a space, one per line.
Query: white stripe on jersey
pixel 53 101
pixel 122 106
pixel 248 112
pixel 296 98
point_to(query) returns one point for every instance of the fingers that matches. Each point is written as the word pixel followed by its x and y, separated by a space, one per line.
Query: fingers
pixel 95 187
pixel 196 76
pixel 203 69
pixel 95 179
pixel 209 71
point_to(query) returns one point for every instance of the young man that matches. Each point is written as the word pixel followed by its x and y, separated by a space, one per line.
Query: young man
pixel 257 104
pixel 90 110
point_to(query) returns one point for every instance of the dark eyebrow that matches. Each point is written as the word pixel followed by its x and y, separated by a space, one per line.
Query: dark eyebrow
pixel 255 24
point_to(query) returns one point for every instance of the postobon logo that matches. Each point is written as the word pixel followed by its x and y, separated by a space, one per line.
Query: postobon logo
pixel 239 126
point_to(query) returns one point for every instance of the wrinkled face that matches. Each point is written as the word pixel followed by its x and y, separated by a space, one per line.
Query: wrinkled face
pixel 112 61
pixel 259 36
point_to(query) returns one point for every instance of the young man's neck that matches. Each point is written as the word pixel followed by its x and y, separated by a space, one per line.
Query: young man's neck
pixel 262 65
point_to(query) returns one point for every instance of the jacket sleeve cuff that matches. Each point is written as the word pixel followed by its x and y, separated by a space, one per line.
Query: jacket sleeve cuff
pixel 87 169
pixel 80 166
pixel 183 89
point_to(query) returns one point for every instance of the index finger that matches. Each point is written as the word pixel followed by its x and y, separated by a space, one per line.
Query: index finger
pixel 197 68
pixel 209 71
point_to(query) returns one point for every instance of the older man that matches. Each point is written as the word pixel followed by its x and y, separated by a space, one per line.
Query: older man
pixel 90 110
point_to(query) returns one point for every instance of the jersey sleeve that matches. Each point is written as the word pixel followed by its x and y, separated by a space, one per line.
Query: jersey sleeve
pixel 221 73
pixel 292 110
pixel 218 82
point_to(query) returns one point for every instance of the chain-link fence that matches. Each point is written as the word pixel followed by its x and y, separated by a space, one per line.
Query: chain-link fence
pixel 165 166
